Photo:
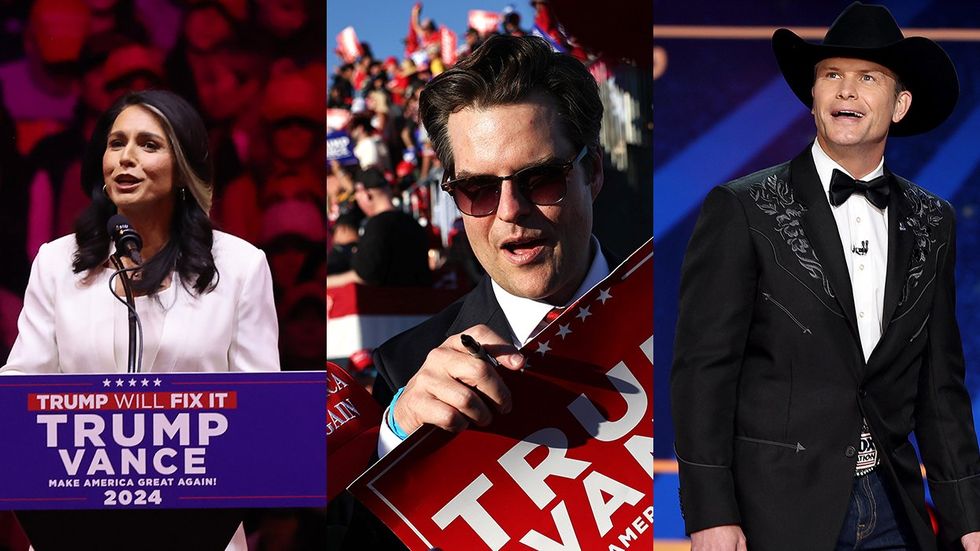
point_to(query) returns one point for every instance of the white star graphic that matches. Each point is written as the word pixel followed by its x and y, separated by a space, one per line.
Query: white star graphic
pixel 583 312
pixel 145 382
pixel 119 382
pixel 604 295
pixel 563 330
pixel 132 382
pixel 156 382
pixel 106 382
pixel 543 348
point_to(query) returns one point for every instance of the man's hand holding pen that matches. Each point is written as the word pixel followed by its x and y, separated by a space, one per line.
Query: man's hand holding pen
pixel 458 385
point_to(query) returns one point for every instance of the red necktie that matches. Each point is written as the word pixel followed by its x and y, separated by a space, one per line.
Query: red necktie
pixel 551 316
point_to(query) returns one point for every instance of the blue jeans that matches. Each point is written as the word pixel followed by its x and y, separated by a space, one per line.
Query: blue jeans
pixel 872 523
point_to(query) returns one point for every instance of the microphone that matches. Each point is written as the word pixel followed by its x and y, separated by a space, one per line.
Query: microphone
pixel 127 241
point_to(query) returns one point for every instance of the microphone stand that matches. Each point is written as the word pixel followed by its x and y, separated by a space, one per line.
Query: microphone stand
pixel 132 366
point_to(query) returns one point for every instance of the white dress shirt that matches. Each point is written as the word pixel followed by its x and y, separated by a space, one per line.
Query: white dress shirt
pixel 860 225
pixel 524 315
pixel 863 231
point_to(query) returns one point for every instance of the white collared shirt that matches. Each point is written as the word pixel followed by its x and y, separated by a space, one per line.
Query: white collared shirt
pixel 523 315
pixel 863 231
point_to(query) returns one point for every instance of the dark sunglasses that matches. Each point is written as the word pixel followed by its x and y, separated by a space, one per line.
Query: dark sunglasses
pixel 542 185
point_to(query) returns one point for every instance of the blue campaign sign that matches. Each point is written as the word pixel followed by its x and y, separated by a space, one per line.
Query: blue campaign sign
pixel 340 148
pixel 163 440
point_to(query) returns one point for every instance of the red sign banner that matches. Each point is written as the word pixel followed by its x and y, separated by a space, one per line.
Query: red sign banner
pixel 353 418
pixel 348 46
pixel 447 43
pixel 485 22
pixel 570 467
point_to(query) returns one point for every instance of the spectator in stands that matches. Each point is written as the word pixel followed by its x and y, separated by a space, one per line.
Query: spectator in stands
pixel 293 110
pixel 512 22
pixel 378 102
pixel 345 235
pixel 340 190
pixel 362 68
pixel 303 335
pixel 132 67
pixel 291 29
pixel 292 233
pixel 291 139
pixel 423 31
pixel 119 17
pixel 393 248
pixel 369 149
pixel 208 26
pixel 342 90
pixel 44 84
pixel 471 40
pixel 301 186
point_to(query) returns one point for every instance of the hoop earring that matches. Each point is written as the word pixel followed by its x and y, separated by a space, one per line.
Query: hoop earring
pixel 105 189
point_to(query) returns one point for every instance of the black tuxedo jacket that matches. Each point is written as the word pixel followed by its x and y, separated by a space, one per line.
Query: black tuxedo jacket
pixel 769 383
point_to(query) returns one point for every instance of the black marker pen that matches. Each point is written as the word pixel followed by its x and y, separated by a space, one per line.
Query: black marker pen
pixel 477 351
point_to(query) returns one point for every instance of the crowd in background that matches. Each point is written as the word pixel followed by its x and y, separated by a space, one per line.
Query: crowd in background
pixel 254 69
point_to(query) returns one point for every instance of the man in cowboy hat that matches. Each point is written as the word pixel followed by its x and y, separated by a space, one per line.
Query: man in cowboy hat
pixel 817 322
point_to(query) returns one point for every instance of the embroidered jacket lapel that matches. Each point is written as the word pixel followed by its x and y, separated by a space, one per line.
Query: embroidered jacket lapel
pixel 900 243
pixel 821 229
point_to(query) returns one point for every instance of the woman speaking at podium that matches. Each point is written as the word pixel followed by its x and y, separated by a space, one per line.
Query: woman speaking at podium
pixel 204 298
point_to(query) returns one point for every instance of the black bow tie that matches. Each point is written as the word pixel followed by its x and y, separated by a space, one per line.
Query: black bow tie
pixel 842 186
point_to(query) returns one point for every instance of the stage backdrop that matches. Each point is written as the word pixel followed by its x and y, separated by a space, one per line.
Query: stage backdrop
pixel 723 110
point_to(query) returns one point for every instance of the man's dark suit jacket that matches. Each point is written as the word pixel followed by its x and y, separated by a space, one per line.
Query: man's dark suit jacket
pixel 769 382
pixel 397 361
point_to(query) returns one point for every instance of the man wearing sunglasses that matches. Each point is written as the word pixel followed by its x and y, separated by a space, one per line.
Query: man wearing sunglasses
pixel 516 127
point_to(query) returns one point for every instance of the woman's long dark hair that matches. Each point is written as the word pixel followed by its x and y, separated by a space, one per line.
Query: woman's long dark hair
pixel 191 236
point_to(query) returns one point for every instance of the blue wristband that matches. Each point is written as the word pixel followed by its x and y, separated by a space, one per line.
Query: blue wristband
pixel 392 424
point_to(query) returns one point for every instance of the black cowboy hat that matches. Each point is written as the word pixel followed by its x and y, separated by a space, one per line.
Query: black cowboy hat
pixel 870 32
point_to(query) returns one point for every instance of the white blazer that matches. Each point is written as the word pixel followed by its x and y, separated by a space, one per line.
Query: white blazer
pixel 67 323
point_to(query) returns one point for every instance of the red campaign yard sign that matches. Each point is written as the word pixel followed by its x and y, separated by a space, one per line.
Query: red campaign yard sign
pixel 570 467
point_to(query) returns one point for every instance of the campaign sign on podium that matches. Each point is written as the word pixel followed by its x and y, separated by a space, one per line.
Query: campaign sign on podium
pixel 570 467
pixel 162 440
